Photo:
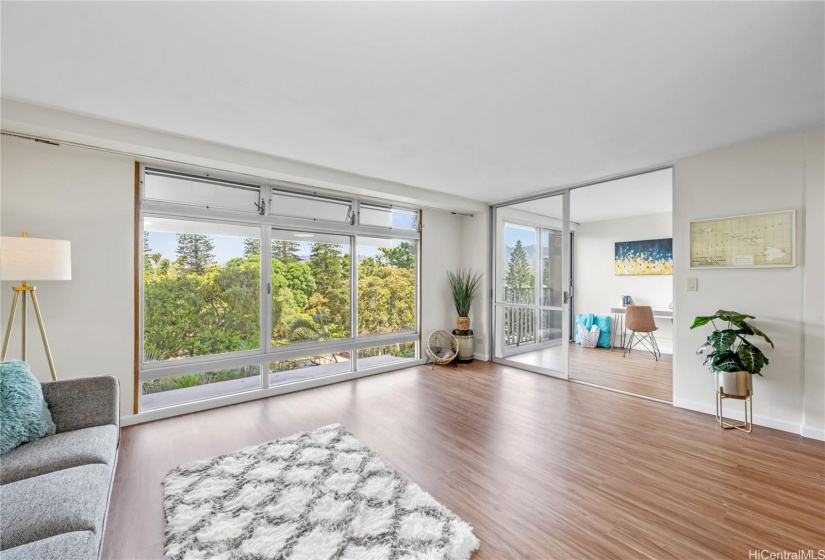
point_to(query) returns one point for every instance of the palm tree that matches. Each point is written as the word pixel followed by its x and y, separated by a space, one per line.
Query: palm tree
pixel 311 330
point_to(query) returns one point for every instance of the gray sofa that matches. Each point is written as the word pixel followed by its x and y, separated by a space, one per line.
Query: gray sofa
pixel 54 492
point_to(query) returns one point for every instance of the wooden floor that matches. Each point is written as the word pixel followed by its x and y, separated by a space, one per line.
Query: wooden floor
pixel 638 372
pixel 542 468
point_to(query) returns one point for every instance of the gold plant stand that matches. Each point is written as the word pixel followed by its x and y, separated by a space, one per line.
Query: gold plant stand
pixel 747 425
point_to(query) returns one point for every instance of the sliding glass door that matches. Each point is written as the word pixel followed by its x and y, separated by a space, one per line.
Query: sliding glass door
pixel 531 304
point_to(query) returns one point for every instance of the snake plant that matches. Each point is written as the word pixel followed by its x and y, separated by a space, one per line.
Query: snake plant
pixel 464 286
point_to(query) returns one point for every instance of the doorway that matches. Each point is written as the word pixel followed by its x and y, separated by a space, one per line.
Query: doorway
pixel 547 288
pixel 531 304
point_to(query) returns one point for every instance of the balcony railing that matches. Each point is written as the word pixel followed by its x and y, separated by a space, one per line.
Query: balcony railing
pixel 520 323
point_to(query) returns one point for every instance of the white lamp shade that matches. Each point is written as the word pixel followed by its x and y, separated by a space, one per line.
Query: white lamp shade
pixel 28 258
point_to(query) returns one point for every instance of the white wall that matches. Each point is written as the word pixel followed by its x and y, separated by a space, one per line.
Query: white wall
pixel 88 198
pixel 759 177
pixel 596 286
pixel 440 252
pixel 476 256
pixel 814 295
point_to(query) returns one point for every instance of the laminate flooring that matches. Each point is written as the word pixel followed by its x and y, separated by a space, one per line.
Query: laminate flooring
pixel 540 467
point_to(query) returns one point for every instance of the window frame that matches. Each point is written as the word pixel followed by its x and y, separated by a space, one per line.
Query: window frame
pixel 267 222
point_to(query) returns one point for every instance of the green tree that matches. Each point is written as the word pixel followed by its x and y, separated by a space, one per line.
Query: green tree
pixel 284 314
pixel 301 281
pixel 237 296
pixel 367 266
pixel 330 268
pixel 386 301
pixel 520 273
pixel 310 329
pixel 195 251
pixel 402 256
pixel 251 246
pixel 326 264
pixel 191 314
pixel 285 251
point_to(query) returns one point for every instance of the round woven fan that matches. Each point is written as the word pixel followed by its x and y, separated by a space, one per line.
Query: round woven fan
pixel 442 347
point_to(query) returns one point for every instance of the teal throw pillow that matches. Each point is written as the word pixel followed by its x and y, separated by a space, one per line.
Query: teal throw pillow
pixel 24 414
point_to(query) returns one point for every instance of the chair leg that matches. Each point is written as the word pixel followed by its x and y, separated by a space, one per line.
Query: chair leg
pixel 656 345
pixel 645 339
pixel 628 343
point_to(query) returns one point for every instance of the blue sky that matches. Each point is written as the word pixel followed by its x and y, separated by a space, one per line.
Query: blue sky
pixel 513 234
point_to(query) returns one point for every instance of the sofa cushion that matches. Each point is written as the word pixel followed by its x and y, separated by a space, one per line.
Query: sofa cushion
pixel 60 451
pixel 24 415
pixel 77 545
pixel 52 504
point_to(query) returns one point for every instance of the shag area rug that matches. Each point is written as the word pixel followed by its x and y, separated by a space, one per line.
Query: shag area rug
pixel 315 495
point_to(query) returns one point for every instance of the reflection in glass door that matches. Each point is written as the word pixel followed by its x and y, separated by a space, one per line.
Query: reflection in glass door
pixel 519 323
pixel 531 326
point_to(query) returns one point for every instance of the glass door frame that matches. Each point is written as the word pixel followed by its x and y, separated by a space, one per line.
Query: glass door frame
pixel 496 238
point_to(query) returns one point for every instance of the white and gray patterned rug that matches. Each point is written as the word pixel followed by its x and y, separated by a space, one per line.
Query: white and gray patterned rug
pixel 316 495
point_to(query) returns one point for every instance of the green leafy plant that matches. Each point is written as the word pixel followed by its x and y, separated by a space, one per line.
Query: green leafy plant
pixel 190 380
pixel 728 349
pixel 311 330
pixel 464 286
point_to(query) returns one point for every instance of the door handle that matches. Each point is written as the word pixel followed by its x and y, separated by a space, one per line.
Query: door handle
pixel 566 297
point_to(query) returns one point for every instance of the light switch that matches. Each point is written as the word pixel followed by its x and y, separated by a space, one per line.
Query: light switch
pixel 693 284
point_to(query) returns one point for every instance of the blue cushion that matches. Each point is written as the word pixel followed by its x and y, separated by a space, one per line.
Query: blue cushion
pixel 24 415
pixel 603 322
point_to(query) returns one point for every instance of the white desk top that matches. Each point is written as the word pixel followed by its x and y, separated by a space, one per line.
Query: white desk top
pixel 657 312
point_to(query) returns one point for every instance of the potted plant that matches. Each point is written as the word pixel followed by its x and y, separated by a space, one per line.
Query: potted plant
pixel 730 355
pixel 464 285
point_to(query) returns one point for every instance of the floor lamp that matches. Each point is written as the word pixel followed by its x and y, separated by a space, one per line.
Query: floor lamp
pixel 25 259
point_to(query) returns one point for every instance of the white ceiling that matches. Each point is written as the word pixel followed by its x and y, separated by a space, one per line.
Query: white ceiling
pixel 483 100
pixel 639 195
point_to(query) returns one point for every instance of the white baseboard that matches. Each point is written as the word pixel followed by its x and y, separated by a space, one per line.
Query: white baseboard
pixel 813 433
pixel 735 410
pixel 482 357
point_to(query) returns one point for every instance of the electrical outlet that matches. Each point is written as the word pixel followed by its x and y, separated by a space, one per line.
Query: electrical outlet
pixel 693 284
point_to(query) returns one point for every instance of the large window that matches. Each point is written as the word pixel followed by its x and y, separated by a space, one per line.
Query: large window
pixel 201 289
pixel 239 279
pixel 310 287
pixel 386 285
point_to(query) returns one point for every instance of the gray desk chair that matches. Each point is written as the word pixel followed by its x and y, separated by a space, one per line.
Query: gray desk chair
pixel 641 324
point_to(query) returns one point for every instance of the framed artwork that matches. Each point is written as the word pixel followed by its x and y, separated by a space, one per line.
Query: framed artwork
pixel 648 257
pixel 750 241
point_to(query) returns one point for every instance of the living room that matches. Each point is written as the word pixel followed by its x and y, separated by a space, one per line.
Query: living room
pixel 206 406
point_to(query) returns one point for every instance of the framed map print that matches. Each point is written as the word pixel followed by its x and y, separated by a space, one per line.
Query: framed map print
pixel 754 241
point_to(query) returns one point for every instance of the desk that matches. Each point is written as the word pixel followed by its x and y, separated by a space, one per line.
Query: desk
pixel 617 323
